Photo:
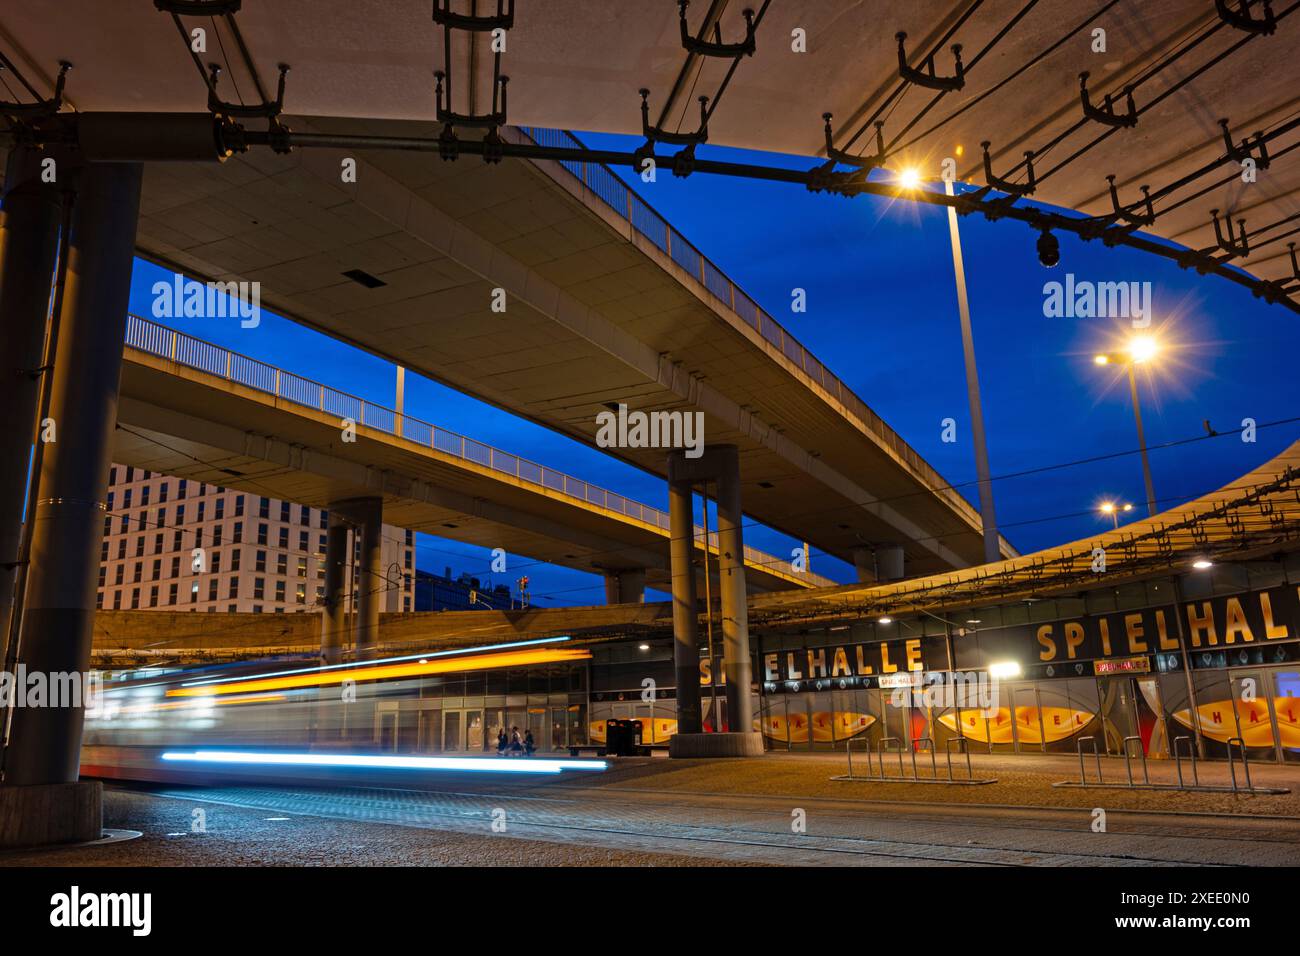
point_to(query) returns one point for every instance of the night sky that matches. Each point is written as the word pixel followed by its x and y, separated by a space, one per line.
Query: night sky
pixel 882 315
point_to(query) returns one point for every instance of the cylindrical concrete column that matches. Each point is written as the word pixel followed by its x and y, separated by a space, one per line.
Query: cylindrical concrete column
pixel 731 589
pixel 686 637
pixel 68 523
pixel 28 248
pixel 889 563
pixel 625 587
pixel 372 582
pixel 334 616
pixel 864 563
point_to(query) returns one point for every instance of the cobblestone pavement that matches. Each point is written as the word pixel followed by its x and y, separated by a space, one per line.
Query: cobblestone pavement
pixel 780 809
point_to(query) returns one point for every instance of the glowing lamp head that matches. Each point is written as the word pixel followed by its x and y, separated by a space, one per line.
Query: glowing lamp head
pixel 1107 508
pixel 909 177
pixel 886 620
pixel 1202 564
pixel 1143 349
pixel 1101 360
pixel 1002 670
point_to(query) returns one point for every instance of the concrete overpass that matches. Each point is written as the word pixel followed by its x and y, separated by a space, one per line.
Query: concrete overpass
pixel 196 410
pixel 1255 516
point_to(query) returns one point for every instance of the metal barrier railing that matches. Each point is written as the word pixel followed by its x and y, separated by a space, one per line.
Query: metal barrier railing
pixel 1181 784
pixel 187 350
pixel 883 748
pixel 604 183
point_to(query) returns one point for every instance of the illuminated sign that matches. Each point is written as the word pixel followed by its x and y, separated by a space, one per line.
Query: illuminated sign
pixel 1122 665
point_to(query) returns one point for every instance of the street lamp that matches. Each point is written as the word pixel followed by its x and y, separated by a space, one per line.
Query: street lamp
pixel 1113 509
pixel 1140 349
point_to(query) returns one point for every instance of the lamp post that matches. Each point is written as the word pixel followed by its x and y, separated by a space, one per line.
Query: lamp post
pixel 1113 509
pixel 1141 349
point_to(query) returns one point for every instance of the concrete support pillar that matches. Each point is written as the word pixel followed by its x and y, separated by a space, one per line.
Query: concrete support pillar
pixel 334 617
pixel 864 562
pixel 68 522
pixel 731 589
pixel 625 587
pixel 686 637
pixel 879 564
pixel 372 582
pixel 28 249
pixel 889 563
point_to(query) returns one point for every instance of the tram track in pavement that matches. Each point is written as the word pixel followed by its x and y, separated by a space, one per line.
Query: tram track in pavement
pixel 535 816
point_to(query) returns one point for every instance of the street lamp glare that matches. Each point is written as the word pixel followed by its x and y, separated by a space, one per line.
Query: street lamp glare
pixel 1107 508
pixel 909 177
pixel 1101 359
pixel 1202 564
pixel 1143 348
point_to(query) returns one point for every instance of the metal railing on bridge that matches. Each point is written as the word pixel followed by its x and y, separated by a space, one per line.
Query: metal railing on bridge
pixel 164 342
pixel 604 183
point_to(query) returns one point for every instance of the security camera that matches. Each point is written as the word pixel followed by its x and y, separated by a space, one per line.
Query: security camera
pixel 1049 249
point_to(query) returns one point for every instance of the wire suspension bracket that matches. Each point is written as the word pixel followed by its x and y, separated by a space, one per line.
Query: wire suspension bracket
pixel 1106 114
pixel 496 24
pixel 927 77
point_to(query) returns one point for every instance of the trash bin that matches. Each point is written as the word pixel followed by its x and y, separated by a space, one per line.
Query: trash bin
pixel 622 737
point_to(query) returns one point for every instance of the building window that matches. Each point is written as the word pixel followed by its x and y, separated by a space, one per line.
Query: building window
pixel 301 594
pixel 304 540
pixel 279 593
pixel 202 507
pixel 180 513
pixel 257 609
pixel 124 525
pixel 126 499
pixel 239 506
pixel 282 564
pixel 216 562
pixel 212 589
pixel 259 588
pixel 118 573
pixel 259 564
pixel 138 572
pixel 135 598
pixel 194 592
pixel 264 508
pixel 176 567
pixel 144 495
pixel 112 475
pixel 109 504
pixel 234 588
pixel 302 567
pixel 237 532
pixel 219 508
pixel 176 541
pixel 153 596
pixel 157 569
pixel 162 491
pixel 117 600
pixel 158 543
pixel 284 538
pixel 324 520
pixel 180 489
pixel 284 511
pixel 139 546
pixel 121 549
pixel 234 559
pixel 261 534
pixel 130 473
pixel 216 535
pixel 171 594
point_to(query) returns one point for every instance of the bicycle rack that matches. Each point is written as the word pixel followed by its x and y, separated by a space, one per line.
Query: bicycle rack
pixel 1194 787
pixel 1178 759
pixel 915 777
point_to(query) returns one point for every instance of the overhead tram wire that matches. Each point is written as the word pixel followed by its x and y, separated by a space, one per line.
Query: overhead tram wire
pixel 1019 71
pixel 1170 91
pixel 938 97
pixel 904 85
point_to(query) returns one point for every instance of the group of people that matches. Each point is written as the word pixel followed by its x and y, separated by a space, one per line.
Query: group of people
pixel 514 745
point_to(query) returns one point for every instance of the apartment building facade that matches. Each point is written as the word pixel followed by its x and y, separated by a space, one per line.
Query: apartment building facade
pixel 172 543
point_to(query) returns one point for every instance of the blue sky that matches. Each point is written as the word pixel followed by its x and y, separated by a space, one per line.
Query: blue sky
pixel 882 315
